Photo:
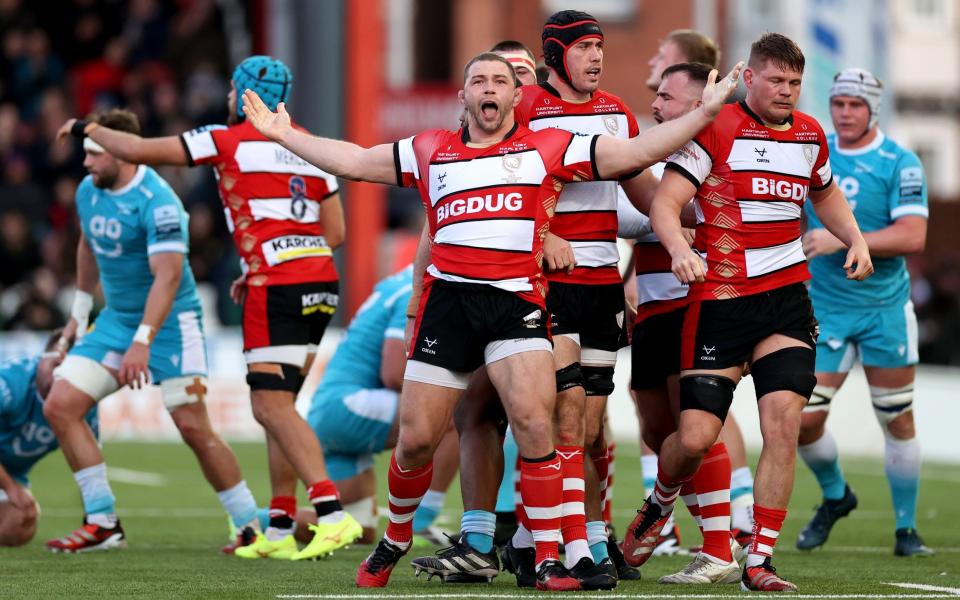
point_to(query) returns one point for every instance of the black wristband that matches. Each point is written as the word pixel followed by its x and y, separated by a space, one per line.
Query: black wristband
pixel 77 130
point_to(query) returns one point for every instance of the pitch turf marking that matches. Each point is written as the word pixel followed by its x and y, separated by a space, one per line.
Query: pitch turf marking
pixel 616 596
pixel 136 477
pixel 927 588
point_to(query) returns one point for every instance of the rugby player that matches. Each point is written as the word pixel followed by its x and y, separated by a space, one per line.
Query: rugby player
pixel 483 293
pixel 286 219
pixel 750 172
pixel 134 241
pixel 25 438
pixel 354 408
pixel 686 45
pixel 887 191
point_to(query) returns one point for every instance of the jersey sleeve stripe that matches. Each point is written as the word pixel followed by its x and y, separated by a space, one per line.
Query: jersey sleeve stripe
pixel 704 148
pixel 687 174
pixel 167 247
pixel 394 334
pixel 593 158
pixel 396 163
pixel 820 188
pixel 911 209
pixel 186 150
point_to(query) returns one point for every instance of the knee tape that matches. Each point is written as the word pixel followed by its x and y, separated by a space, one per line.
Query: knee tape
pixel 289 381
pixel 598 381
pixel 569 377
pixel 890 403
pixel 87 375
pixel 790 369
pixel 180 391
pixel 710 393
pixel 820 399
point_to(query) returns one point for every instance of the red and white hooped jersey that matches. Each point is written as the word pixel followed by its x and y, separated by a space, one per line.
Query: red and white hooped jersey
pixel 271 198
pixel 586 212
pixel 489 208
pixel 751 183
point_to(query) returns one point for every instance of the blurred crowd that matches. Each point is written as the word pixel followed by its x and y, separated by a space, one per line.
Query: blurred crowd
pixel 167 61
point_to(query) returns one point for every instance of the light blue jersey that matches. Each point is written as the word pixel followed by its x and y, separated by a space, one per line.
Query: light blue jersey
pixel 882 182
pixel 25 435
pixel 123 229
pixel 352 412
pixel 873 319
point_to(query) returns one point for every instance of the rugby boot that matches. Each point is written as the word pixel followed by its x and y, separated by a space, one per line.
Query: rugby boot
pixel 643 533
pixel 89 538
pixel 764 578
pixel 704 570
pixel 520 562
pixel 910 544
pixel 817 531
pixel 459 563
pixel 374 571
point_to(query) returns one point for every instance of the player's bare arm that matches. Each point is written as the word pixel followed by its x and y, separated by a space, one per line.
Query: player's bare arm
pixel 167 269
pixel 337 157
pixel 19 496
pixel 88 275
pixel 906 235
pixel 673 194
pixel 616 156
pixel 393 362
pixel 834 211
pixel 331 221
pixel 132 148
pixel 420 262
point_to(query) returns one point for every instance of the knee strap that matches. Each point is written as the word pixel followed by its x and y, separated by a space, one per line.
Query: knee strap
pixel 890 403
pixel 791 369
pixel 820 399
pixel 710 393
pixel 289 381
pixel 569 377
pixel 598 381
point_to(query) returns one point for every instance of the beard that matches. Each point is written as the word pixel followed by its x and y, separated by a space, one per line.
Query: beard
pixel 476 112
pixel 104 180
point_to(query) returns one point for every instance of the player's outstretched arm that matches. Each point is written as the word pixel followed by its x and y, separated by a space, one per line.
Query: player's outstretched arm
pixel 835 214
pixel 127 146
pixel 616 156
pixel 337 157
pixel 673 194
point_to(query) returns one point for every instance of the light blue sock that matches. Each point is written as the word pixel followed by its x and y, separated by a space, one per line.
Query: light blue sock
pixel 648 466
pixel 430 507
pixel 505 501
pixel 263 517
pixel 239 504
pixel 902 465
pixel 741 483
pixel 95 490
pixel 823 459
pixel 597 538
pixel 477 527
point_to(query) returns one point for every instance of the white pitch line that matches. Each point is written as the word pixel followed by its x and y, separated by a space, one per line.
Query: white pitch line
pixel 611 596
pixel 136 477
pixel 927 588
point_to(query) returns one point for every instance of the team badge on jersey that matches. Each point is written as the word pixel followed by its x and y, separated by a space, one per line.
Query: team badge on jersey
pixel 610 122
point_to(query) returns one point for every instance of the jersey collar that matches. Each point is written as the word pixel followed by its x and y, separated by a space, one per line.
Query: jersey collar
pixel 756 117
pixel 876 143
pixel 134 182
pixel 465 133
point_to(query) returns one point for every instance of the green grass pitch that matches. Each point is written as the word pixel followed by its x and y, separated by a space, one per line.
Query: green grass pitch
pixel 175 529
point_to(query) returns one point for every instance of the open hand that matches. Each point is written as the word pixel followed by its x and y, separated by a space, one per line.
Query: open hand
pixel 716 93
pixel 273 125
pixel 820 242
pixel 133 368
